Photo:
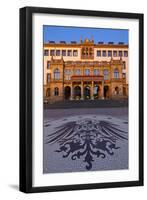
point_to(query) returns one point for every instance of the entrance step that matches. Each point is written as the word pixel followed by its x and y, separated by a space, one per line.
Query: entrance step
pixel 86 104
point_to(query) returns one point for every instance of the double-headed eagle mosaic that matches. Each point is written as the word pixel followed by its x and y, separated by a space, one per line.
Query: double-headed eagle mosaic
pixel 87 139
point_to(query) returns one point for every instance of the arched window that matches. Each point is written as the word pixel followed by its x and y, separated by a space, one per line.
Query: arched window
pixel 56 74
pixel 106 74
pixel 90 51
pixel 116 73
pixel 56 91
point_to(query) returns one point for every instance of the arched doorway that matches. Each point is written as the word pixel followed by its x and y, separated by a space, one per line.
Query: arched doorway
pixel 77 92
pixel 106 91
pixel 96 91
pixel 116 90
pixel 67 92
pixel 87 92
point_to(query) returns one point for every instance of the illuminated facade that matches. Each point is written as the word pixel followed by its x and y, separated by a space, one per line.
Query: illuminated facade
pixel 85 70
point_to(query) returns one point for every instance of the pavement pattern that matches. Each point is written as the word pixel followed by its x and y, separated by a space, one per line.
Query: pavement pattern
pixel 91 139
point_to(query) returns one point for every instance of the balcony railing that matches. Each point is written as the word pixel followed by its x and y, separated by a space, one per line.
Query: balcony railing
pixel 87 78
pixel 56 80
pixel 118 79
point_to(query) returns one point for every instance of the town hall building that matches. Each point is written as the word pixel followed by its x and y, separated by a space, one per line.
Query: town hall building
pixel 85 70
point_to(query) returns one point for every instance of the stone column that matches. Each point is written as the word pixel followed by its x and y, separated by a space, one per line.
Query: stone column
pixel 71 95
pixel 92 93
pixel 102 90
pixel 82 91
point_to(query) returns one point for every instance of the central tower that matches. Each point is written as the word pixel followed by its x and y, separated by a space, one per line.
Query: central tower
pixel 87 49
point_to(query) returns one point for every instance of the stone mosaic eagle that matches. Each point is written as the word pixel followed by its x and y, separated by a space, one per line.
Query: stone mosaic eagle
pixel 87 138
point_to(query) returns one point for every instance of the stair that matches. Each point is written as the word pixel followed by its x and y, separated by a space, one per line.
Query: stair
pixel 86 104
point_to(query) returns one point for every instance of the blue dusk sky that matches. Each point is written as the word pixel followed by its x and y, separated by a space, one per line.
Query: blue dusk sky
pixel 68 34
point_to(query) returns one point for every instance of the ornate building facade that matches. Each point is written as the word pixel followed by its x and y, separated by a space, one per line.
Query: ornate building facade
pixel 85 70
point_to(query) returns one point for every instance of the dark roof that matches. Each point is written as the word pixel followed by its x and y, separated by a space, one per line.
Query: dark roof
pixel 62 42
pixel 51 41
pixel 100 42
pixel 73 42
pixel 110 42
pixel 120 42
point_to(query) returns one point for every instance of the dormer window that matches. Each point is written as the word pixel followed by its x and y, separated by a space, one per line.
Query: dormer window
pixel 75 53
pixel 63 52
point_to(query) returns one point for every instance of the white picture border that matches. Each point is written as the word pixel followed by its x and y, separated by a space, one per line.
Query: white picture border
pixel 132 174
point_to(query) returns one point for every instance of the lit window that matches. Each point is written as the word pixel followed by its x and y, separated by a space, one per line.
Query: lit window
pixel 87 72
pixel 90 51
pixel 52 52
pixel 115 53
pixel 125 53
pixel 48 64
pixel 99 53
pixel 57 52
pixel 120 53
pixel 75 53
pixel 63 52
pixel 56 91
pixel 69 53
pixel 104 53
pixel 106 74
pixel 56 74
pixel 87 51
pixel 48 78
pixel 46 52
pixel 83 51
pixel 77 72
pixel 116 73
pixel 109 53
pixel 96 72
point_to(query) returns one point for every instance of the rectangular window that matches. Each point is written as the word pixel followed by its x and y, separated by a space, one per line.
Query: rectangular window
pixel 109 53
pixel 116 74
pixel 57 52
pixel 67 71
pixel 115 53
pixel 120 53
pixel 96 72
pixel 75 53
pixel 52 52
pixel 99 53
pixel 77 72
pixel 106 74
pixel 46 52
pixel 48 78
pixel 125 53
pixel 104 53
pixel 87 72
pixel 69 53
pixel 63 52
pixel 48 64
